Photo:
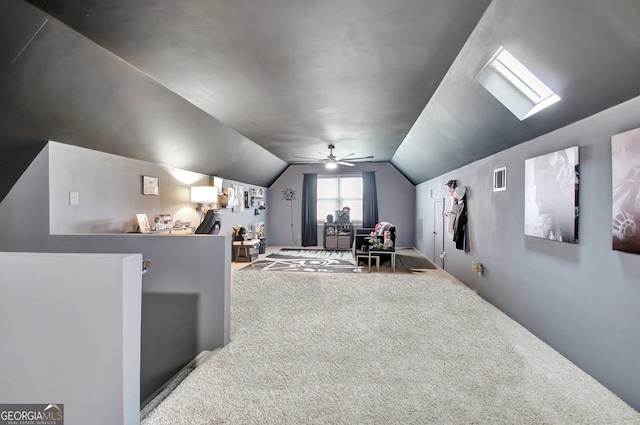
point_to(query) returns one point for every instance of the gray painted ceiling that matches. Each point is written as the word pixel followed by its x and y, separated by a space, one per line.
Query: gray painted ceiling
pixel 241 88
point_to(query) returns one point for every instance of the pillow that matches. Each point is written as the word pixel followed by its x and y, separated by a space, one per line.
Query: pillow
pixel 382 227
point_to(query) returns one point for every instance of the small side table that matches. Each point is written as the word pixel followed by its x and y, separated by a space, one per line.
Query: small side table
pixel 246 250
pixel 376 258
pixel 376 253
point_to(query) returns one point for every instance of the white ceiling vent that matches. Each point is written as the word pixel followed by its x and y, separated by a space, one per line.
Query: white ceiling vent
pixel 515 86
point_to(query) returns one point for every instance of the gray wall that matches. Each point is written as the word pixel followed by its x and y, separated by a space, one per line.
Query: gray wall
pixel 110 191
pixel 584 299
pixel 248 217
pixel 396 202
pixel 72 335
pixel 186 293
pixel 13 162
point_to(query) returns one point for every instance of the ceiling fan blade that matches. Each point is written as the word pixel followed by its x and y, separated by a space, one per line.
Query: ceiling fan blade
pixel 340 158
pixel 362 157
pixel 345 163
pixel 306 157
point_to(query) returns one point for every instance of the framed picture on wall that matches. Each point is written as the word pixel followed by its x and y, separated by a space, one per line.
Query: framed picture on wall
pixel 149 185
pixel 625 179
pixel 551 196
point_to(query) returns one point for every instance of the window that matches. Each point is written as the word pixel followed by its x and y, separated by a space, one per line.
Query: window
pixel 517 88
pixel 337 192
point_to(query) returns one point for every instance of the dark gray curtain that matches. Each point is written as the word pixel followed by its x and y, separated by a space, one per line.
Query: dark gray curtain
pixel 369 199
pixel 309 210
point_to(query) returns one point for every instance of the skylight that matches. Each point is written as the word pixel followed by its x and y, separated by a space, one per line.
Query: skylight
pixel 515 86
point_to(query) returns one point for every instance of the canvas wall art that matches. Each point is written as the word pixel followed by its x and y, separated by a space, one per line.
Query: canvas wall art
pixel 551 196
pixel 238 199
pixel 625 179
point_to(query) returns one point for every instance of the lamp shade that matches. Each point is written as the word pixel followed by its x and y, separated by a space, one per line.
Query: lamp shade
pixel 204 194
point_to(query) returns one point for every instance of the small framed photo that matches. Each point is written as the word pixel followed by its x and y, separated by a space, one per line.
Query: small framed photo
pixel 143 223
pixel 149 185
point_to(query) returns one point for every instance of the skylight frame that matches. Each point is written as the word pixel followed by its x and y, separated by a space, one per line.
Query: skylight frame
pixel 519 76
pixel 526 94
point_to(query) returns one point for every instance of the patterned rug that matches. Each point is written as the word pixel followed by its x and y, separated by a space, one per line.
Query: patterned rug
pixel 307 260
pixel 334 261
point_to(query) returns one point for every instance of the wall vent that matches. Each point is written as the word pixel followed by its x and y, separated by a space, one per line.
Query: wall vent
pixel 500 179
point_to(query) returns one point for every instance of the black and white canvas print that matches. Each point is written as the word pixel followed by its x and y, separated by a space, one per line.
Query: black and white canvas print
pixel 551 196
pixel 625 167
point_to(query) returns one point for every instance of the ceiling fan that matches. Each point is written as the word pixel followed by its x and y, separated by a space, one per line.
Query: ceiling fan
pixel 332 161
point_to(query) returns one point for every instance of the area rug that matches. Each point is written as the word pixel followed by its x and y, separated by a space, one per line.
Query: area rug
pixel 307 260
pixel 365 349
pixel 338 261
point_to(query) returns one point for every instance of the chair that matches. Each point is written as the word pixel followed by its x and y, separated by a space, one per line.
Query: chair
pixel 211 223
pixel 361 237
pixel 361 240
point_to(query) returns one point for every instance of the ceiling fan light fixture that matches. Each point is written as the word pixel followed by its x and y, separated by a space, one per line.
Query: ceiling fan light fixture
pixel 332 161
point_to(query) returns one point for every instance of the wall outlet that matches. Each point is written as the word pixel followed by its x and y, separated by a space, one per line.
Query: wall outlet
pixel 74 198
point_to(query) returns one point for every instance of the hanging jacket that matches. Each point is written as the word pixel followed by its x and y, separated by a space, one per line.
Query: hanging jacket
pixel 450 216
pixel 460 223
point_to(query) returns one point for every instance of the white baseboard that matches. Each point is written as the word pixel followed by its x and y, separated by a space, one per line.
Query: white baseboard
pixel 197 361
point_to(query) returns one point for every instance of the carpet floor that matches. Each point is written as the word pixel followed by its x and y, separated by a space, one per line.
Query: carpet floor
pixel 371 349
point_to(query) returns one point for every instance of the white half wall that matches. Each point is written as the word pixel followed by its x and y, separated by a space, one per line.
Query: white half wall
pixel 70 332
pixel 186 293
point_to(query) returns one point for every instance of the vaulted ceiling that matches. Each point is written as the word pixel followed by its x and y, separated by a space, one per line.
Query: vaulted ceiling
pixel 240 89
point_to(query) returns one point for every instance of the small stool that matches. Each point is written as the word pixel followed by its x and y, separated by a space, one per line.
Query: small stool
pixel 377 259
pixel 363 256
pixel 244 253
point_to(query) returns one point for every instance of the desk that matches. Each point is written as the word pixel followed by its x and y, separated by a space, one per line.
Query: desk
pixel 245 250
pixel 376 253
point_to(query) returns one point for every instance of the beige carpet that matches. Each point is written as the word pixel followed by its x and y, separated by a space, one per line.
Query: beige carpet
pixel 381 349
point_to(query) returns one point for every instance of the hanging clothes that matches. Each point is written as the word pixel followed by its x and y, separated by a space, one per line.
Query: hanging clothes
pixel 450 209
pixel 460 224
pixel 450 216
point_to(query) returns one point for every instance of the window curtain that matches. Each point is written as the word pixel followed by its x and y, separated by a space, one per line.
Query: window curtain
pixel 369 200
pixel 309 210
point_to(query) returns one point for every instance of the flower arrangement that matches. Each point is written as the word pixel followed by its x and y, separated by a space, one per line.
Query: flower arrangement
pixel 374 242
